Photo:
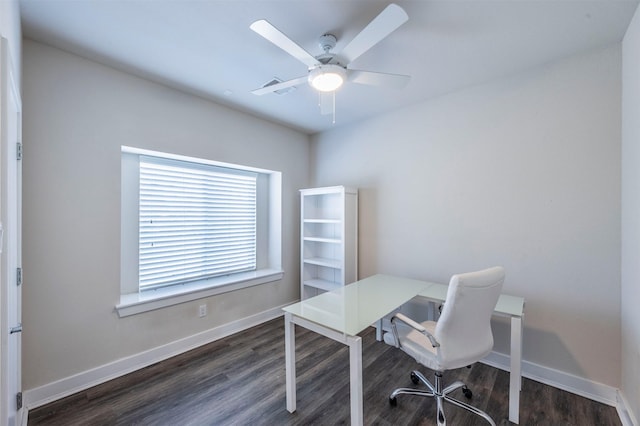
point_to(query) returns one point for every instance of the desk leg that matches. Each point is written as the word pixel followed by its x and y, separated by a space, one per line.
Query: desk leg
pixel 290 361
pixel 355 369
pixel 379 330
pixel 515 376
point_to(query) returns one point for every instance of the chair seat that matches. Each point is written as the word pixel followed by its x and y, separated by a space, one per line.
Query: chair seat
pixel 417 345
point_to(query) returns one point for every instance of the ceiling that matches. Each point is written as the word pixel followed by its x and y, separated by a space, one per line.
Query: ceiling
pixel 205 47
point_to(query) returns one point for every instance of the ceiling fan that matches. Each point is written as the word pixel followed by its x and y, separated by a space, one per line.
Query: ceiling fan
pixel 328 71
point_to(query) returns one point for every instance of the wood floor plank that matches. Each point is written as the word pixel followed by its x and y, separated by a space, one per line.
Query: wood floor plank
pixel 239 380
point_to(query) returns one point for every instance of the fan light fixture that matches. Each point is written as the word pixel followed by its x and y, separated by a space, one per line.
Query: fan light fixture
pixel 327 78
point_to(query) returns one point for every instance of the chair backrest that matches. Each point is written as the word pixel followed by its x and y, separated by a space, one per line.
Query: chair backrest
pixel 464 326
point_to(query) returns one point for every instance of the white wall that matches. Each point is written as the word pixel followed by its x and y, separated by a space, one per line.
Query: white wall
pixel 77 114
pixel 631 217
pixel 523 172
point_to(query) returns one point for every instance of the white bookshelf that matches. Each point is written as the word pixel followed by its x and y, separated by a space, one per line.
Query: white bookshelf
pixel 329 239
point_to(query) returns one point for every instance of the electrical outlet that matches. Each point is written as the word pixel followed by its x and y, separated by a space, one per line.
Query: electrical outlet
pixel 202 311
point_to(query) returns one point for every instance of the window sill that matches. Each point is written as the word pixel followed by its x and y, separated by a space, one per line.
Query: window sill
pixel 136 303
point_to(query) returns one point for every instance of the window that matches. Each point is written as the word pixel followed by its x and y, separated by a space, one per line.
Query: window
pixel 193 228
pixel 196 222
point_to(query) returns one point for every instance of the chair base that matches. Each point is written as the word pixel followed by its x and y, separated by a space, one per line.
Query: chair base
pixel 441 396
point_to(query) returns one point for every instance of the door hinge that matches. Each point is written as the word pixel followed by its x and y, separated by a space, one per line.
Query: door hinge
pixel 19 277
pixel 18 400
pixel 19 150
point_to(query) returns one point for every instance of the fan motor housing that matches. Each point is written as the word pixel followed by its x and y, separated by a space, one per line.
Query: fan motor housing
pixel 327 42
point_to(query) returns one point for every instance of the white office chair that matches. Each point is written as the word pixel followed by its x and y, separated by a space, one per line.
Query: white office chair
pixel 461 336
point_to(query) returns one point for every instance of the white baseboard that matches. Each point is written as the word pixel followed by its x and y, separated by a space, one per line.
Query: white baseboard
pixel 50 392
pixel 626 416
pixel 558 379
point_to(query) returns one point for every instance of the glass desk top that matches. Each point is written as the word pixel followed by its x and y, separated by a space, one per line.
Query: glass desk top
pixel 354 307
pixel 512 306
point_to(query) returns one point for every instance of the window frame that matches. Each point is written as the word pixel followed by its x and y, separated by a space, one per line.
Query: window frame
pixel 133 300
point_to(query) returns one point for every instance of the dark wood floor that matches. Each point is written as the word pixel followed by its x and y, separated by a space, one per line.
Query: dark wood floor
pixel 239 380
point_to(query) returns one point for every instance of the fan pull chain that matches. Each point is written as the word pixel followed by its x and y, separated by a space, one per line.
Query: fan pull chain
pixel 334 107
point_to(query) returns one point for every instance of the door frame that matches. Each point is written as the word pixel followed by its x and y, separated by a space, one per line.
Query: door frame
pixel 11 248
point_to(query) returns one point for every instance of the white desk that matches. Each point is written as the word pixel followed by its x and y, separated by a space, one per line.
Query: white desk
pixel 343 313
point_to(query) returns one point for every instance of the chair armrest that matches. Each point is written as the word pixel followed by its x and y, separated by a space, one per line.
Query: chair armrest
pixel 411 323
pixel 405 319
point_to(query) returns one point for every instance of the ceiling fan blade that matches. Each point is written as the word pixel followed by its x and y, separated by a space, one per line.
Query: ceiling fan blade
pixel 279 86
pixel 394 81
pixel 327 102
pixel 382 25
pixel 275 36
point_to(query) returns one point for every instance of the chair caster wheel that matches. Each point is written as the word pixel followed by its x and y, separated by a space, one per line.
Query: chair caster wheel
pixel 393 401
pixel 414 378
pixel 467 392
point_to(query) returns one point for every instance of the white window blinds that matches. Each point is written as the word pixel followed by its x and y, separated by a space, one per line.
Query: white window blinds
pixel 196 222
